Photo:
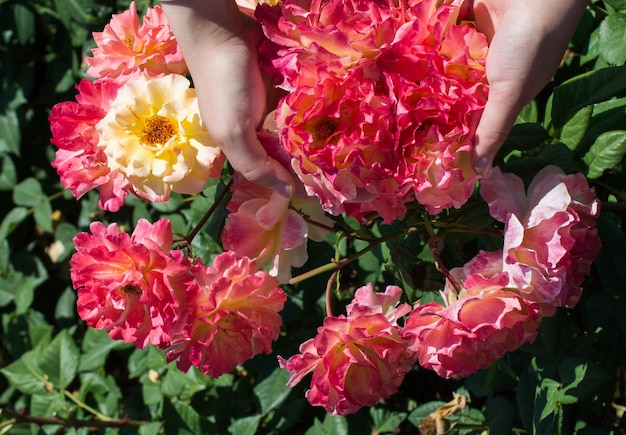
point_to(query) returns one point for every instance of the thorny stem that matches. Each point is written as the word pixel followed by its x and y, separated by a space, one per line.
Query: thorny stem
pixel 17 417
pixel 310 221
pixel 432 245
pixel 335 265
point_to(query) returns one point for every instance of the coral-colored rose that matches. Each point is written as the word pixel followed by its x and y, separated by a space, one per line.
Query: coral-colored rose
pixel 477 326
pixel 356 359
pixel 127 47
pixel 384 101
pixel 130 285
pixel 81 165
pixel 230 316
pixel 268 228
pixel 550 237
pixel 153 136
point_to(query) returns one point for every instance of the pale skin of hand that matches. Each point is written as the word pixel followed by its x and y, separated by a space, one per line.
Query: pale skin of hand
pixel 220 47
pixel 527 41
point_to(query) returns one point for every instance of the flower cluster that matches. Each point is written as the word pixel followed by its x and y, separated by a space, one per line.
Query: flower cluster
pixel 383 100
pixel 550 240
pixel 137 127
pixel 140 291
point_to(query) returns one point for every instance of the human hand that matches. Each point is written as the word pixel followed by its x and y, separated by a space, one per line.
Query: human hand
pixel 220 47
pixel 527 42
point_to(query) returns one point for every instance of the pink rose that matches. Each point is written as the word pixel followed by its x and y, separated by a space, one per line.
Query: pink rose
pixel 230 316
pixel 130 285
pixel 356 359
pixel 266 227
pixel 81 165
pixel 550 236
pixel 127 47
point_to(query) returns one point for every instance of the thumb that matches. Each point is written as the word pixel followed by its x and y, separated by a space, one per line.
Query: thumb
pixel 495 125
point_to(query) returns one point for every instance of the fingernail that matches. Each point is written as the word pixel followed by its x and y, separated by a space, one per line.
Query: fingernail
pixel 283 189
pixel 483 166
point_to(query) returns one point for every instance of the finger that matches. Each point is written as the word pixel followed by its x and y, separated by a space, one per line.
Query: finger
pixel 494 127
pixel 248 157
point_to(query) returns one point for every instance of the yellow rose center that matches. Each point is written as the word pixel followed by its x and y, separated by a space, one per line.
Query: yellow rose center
pixel 129 41
pixel 131 290
pixel 157 130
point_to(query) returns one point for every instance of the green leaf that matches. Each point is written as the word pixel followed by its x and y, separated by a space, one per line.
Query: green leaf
pixel 72 9
pixel 574 130
pixel 10 137
pixel 47 404
pixel 153 428
pixel 332 425
pixel 526 136
pixel 28 193
pixel 179 384
pixel 40 335
pixel 386 420
pixel 606 152
pixel 65 309
pixel 61 359
pixel 43 215
pixel 245 425
pixel 529 114
pixel 12 220
pixel 24 292
pixel 585 89
pixel 188 415
pixel 64 233
pixel 272 390
pixel 421 412
pixel 581 378
pixel 618 5
pixel 25 374
pixel 96 347
pixel 8 174
pixel 24 23
pixel 612 37
pixel 6 292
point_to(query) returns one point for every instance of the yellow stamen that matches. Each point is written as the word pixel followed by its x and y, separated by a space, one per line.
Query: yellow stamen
pixel 157 130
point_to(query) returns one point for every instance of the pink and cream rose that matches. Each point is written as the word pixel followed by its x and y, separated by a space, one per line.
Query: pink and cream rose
pixel 81 165
pixel 356 359
pixel 130 285
pixel 127 47
pixel 550 234
pixel 230 316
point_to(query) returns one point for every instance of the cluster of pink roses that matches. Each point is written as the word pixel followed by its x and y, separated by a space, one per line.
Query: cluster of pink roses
pixel 136 127
pixel 494 306
pixel 382 103
pixel 383 100
pixel 550 241
pixel 140 291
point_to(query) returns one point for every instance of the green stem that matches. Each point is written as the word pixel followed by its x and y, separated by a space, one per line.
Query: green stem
pixel 86 407
pixel 18 417
pixel 208 214
pixel 329 286
pixel 336 265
